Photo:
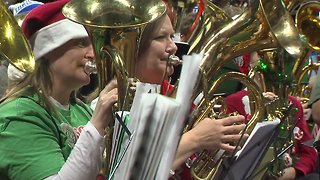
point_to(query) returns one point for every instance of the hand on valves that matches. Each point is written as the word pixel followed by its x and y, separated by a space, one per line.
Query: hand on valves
pixel 210 134
pixel 103 110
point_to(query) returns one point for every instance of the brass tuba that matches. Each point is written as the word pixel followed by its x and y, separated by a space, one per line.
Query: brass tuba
pixel 13 44
pixel 301 90
pixel 208 162
pixel 307 22
pixel 115 28
pixel 256 28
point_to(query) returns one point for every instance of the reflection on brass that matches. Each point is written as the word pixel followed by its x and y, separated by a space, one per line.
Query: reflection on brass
pixel 206 165
pixel 308 24
pixel 13 44
pixel 301 90
pixel 264 24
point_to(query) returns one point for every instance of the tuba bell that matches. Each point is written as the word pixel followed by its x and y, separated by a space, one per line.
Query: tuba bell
pixel 307 22
pixel 13 44
pixel 114 28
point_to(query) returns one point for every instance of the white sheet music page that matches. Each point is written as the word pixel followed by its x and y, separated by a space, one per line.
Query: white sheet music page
pixel 259 126
pixel 188 78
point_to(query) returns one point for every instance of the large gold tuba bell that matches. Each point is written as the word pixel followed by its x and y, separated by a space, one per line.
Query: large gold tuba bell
pixel 13 44
pixel 115 28
pixel 308 20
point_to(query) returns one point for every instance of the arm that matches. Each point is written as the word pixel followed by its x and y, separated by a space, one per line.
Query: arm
pixel 288 174
pixel 186 148
pixel 83 162
pixel 85 158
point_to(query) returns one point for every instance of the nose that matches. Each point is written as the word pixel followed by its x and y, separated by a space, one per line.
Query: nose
pixel 89 54
pixel 172 47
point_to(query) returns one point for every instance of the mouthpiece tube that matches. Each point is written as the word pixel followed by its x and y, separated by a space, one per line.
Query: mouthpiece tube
pixel 90 67
pixel 174 60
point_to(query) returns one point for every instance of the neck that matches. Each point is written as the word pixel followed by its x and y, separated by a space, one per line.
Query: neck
pixel 61 93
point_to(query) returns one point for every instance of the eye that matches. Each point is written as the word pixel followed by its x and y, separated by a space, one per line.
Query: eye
pixel 82 43
pixel 159 37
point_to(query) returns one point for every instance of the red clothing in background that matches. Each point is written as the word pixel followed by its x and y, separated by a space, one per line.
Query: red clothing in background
pixel 238 102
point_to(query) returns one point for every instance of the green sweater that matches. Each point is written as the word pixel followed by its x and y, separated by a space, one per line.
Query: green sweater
pixel 33 142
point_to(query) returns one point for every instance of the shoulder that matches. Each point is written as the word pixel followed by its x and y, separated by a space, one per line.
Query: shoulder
pixel 24 109
pixel 20 105
pixel 16 105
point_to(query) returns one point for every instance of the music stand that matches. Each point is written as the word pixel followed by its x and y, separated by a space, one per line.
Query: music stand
pixel 253 151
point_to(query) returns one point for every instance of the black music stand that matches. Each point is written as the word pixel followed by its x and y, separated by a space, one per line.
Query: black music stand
pixel 249 159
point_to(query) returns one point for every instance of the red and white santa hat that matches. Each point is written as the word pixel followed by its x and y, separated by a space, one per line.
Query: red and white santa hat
pixel 47 28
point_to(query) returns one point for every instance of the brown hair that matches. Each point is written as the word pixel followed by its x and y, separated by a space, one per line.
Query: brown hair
pixel 149 32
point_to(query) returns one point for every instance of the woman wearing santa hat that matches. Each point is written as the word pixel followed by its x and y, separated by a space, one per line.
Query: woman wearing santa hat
pixel 45 132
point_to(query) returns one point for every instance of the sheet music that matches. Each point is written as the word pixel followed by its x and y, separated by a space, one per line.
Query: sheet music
pixel 257 128
pixel 157 141
pixel 188 77
pixel 149 121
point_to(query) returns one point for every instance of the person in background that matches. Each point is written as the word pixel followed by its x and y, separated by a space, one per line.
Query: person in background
pixel 307 109
pixel 239 102
pixel 315 105
pixel 46 133
pixel 23 7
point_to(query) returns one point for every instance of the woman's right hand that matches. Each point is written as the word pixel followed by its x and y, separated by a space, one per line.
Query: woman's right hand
pixel 218 133
pixel 103 111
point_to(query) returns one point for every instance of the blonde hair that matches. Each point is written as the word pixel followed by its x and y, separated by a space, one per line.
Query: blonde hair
pixel 38 82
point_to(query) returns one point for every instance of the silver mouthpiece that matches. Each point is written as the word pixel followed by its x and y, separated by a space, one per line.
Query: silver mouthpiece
pixel 174 60
pixel 90 67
